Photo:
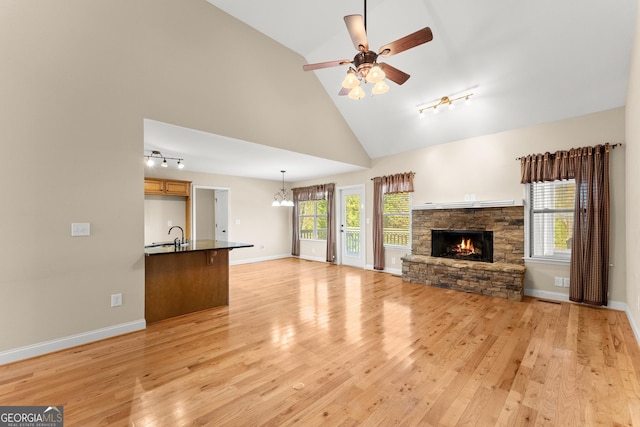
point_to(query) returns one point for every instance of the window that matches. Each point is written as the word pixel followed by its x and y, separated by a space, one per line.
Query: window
pixel 550 216
pixel 396 219
pixel 313 220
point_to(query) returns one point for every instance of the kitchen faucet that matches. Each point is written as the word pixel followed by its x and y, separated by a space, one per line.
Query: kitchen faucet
pixel 176 241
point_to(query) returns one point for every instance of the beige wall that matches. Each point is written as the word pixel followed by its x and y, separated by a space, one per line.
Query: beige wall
pixel 632 149
pixel 77 80
pixel 158 211
pixel 79 77
pixel 488 169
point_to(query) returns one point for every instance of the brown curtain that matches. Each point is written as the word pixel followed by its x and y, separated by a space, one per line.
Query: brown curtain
pixel 314 192
pixel 589 281
pixel 589 166
pixel 378 238
pixel 295 235
pixel 331 223
pixel 398 183
pixel 546 167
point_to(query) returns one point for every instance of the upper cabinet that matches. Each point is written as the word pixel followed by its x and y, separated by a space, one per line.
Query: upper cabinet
pixel 167 187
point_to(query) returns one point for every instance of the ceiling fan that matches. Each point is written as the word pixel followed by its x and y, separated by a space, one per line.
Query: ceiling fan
pixel 365 66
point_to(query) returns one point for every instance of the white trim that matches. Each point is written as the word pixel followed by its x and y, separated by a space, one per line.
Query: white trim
pixel 470 204
pixel 634 327
pixel 361 190
pixel 541 260
pixel 557 296
pixel 312 258
pixel 253 260
pixel 39 349
pixel 394 271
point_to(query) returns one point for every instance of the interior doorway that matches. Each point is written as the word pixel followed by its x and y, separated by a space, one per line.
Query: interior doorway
pixel 210 211
pixel 351 226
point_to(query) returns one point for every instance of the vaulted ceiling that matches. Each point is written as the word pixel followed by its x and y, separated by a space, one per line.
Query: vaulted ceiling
pixel 526 62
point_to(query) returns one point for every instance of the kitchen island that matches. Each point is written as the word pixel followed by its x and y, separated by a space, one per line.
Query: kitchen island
pixel 186 278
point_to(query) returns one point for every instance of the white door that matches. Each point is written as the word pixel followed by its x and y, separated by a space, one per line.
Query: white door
pixel 222 214
pixel 351 226
pixel 210 213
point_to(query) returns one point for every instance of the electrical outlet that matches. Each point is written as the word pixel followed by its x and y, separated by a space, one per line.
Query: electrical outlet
pixel 116 300
pixel 558 282
pixel 393 260
pixel 565 282
pixel 169 223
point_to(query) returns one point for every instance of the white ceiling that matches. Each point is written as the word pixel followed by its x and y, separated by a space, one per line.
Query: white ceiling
pixel 205 152
pixel 526 62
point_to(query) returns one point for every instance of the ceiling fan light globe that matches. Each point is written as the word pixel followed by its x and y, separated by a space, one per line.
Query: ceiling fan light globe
pixel 351 80
pixel 356 93
pixel 375 74
pixel 380 88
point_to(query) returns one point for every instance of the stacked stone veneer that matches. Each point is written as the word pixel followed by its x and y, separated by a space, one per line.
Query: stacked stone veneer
pixel 503 278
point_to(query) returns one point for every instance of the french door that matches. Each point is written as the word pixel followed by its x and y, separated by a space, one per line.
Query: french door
pixel 351 226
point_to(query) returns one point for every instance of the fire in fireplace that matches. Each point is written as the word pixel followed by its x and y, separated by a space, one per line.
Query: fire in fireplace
pixel 471 245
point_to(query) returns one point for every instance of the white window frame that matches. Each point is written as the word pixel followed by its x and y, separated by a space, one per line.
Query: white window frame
pixel 315 217
pixel 554 256
pixel 409 213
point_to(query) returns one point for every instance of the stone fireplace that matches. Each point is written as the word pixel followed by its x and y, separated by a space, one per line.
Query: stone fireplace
pixel 472 248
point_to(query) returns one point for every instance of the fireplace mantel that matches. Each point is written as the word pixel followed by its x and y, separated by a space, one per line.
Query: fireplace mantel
pixel 469 204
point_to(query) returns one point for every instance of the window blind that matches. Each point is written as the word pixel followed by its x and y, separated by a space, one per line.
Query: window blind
pixel 551 206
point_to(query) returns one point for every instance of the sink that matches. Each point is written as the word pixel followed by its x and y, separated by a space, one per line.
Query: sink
pixel 158 245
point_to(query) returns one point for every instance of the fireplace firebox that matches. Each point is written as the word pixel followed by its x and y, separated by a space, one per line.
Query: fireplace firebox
pixel 471 245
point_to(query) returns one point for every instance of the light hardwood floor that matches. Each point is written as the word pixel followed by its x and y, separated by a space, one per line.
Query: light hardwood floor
pixel 309 343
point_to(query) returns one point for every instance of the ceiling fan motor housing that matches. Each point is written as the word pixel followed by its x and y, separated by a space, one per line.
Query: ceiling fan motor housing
pixel 364 61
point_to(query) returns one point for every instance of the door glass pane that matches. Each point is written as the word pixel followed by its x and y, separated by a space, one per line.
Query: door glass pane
pixel 352 225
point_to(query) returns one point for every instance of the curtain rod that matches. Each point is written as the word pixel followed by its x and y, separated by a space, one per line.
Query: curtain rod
pixel 619 144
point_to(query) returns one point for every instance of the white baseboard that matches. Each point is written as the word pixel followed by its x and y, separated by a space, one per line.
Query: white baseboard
pixel 39 349
pixel 634 327
pixel 312 258
pixel 394 271
pixel 252 260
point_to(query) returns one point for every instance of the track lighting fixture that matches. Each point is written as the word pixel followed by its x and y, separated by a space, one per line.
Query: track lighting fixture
pixel 151 158
pixel 445 101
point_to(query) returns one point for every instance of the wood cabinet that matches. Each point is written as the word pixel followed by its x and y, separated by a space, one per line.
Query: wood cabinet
pixel 172 187
pixel 181 283
pixel 167 187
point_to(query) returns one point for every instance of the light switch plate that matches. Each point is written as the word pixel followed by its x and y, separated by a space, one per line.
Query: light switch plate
pixel 80 229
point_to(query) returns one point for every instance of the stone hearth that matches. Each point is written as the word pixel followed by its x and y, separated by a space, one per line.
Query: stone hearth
pixel 504 278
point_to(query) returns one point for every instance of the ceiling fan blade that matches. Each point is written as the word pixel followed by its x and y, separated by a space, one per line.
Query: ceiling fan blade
pixel 357 32
pixel 344 91
pixel 319 65
pixel 393 74
pixel 407 42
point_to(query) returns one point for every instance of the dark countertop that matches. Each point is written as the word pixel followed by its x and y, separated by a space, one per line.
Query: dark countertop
pixel 193 246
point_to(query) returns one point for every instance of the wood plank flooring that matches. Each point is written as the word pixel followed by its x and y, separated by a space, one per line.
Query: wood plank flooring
pixel 307 343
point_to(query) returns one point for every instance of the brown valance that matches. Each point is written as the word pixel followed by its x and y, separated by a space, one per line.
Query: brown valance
pixel 556 166
pixel 313 192
pixel 398 183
